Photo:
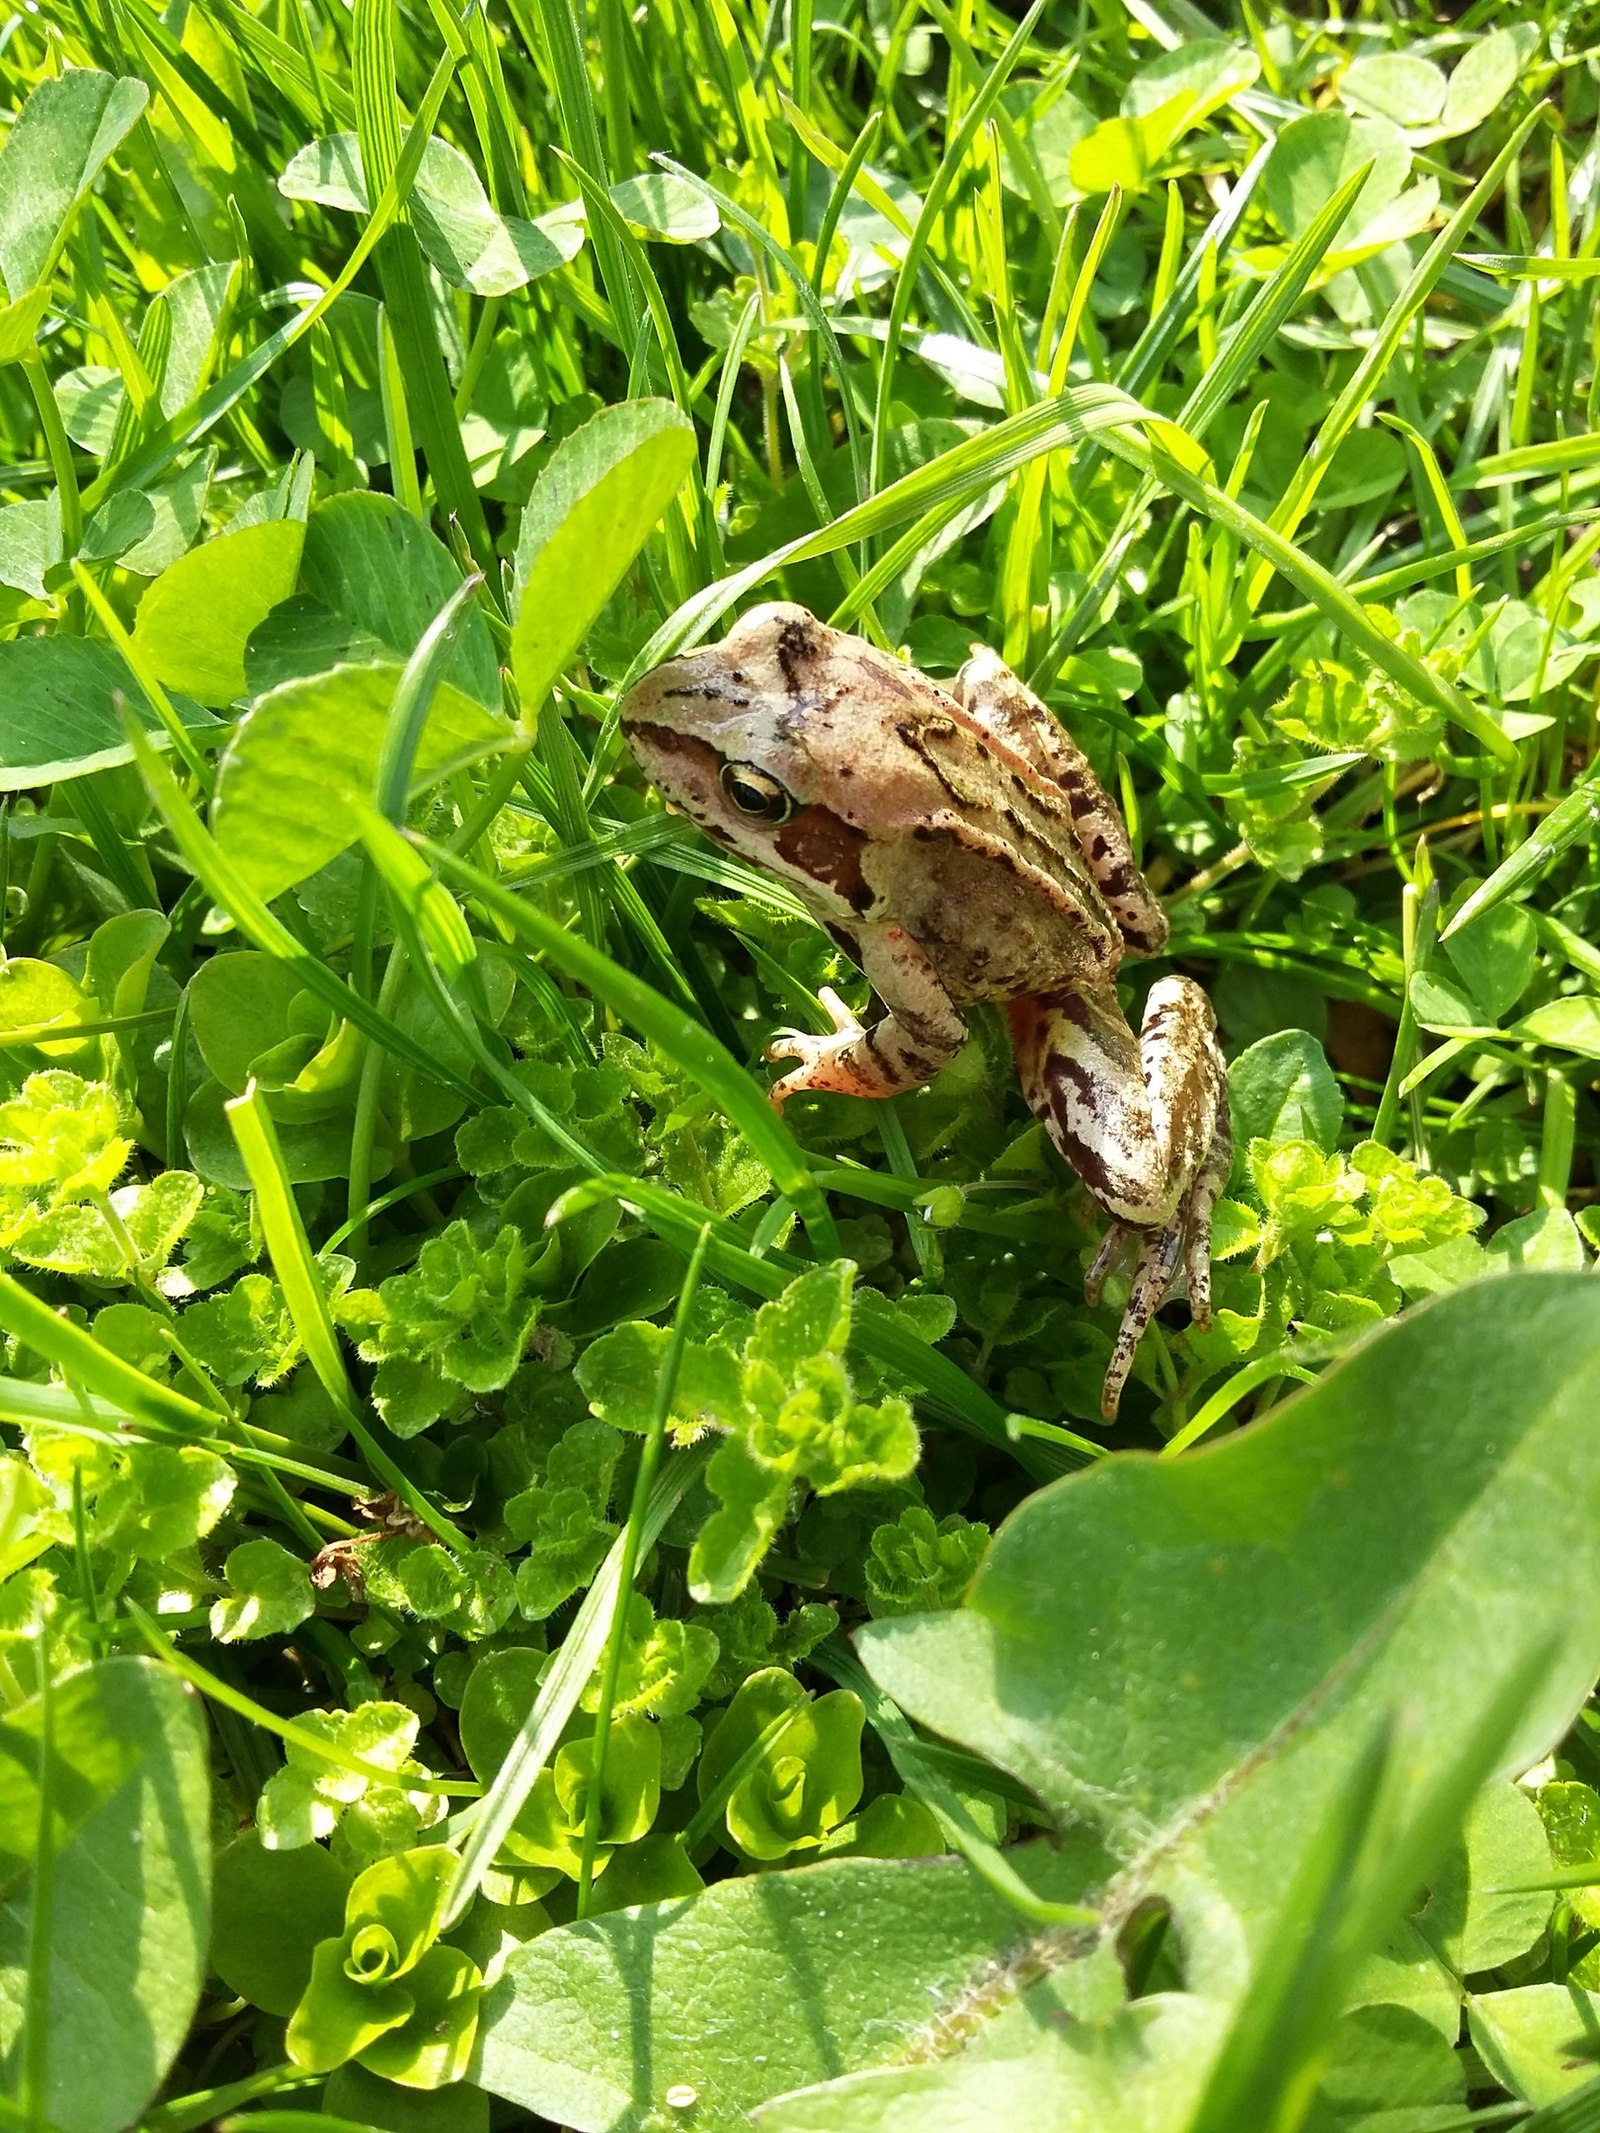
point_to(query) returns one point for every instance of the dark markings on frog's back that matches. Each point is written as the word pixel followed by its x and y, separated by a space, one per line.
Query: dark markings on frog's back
pixel 794 645
pixel 915 737
pixel 827 849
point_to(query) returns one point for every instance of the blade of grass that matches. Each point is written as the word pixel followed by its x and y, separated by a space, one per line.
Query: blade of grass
pixel 289 1249
pixel 565 1682
pixel 644 1481
pixel 1575 817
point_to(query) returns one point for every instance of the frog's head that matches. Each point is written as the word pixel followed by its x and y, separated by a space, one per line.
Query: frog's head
pixel 727 734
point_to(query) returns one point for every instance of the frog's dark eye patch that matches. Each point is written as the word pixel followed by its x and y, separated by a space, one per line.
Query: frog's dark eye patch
pixel 755 792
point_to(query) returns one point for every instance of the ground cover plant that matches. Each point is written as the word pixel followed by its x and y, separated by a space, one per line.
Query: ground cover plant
pixel 534 1590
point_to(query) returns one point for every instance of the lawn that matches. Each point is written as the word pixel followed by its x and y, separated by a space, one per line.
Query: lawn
pixel 539 1589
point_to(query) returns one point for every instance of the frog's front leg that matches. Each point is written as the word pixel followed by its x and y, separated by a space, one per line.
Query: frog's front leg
pixel 921 1033
pixel 1143 1121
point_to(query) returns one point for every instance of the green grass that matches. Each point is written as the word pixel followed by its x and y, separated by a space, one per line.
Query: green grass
pixel 444 1404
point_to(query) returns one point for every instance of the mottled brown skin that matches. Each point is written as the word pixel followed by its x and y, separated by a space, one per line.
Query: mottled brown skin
pixel 958 844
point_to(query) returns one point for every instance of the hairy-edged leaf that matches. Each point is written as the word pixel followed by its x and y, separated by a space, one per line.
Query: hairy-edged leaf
pixel 269 1593
pixel 64 699
pixel 592 508
pixel 308 750
pixel 125 1945
pixel 1435 1490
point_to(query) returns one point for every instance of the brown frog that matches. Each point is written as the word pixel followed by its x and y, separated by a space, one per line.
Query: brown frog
pixel 957 844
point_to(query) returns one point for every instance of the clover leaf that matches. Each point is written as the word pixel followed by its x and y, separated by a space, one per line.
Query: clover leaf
pixel 270 1593
pixel 383 1992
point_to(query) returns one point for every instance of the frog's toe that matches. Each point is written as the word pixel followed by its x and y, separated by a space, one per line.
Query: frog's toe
pixel 1159 1253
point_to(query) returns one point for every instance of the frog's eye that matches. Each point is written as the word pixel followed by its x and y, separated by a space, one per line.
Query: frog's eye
pixel 754 792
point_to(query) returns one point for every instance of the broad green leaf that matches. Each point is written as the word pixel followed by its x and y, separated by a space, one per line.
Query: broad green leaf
pixel 1495 956
pixel 1571 1025
pixel 130 1831
pixel 1537 2040
pixel 54 152
pixel 1484 76
pixel 362 2099
pixel 242 1006
pixel 1165 100
pixel 1398 86
pixel 472 246
pixel 269 1910
pixel 30 544
pixel 1282 1089
pixel 308 750
pixel 63 715
pixel 38 996
pixel 1548 1239
pixel 1444 1006
pixel 162 520
pixel 328 171
pixel 591 511
pixel 1369 1536
pixel 194 622
pixel 665 207
pixel 1313 156
pixel 1370 1556
pixel 1481 1912
pixel 809 1973
pixel 386 574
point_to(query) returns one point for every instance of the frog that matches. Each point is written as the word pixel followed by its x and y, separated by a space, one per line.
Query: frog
pixel 959 848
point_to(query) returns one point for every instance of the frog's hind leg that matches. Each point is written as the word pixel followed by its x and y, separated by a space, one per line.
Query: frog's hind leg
pixel 991 694
pixel 1143 1122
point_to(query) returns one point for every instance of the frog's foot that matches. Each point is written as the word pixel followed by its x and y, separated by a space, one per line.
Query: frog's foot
pixel 1159 1251
pixel 1143 1122
pixel 824 1061
pixel 901 1052
pixel 1157 1256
